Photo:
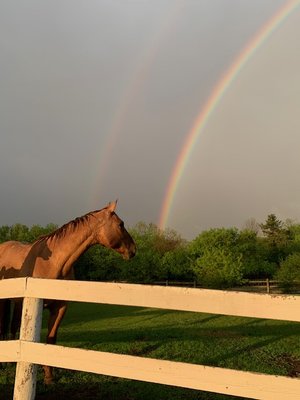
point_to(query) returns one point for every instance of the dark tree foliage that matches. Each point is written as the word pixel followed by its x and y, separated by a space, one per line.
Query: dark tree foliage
pixel 153 246
pixel 22 233
pixel 289 273
pixel 277 238
pixel 222 257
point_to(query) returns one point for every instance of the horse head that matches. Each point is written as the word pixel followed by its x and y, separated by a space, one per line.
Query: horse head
pixel 113 234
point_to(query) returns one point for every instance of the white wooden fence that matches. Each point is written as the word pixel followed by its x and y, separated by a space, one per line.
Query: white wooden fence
pixel 27 352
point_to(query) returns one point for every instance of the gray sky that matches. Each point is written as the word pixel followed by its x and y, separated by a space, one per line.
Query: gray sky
pixel 97 98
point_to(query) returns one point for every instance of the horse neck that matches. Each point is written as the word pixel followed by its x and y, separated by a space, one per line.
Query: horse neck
pixel 70 244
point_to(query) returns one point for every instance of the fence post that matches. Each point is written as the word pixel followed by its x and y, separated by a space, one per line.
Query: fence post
pixel 25 382
pixel 268 286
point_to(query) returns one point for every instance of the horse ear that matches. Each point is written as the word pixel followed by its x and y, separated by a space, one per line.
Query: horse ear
pixel 112 206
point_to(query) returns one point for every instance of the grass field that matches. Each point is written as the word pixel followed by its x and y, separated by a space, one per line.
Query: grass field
pixel 271 347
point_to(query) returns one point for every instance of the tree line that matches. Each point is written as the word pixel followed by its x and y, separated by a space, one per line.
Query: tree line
pixel 216 258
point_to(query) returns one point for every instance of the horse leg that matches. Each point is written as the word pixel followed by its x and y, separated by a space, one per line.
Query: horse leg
pixel 57 311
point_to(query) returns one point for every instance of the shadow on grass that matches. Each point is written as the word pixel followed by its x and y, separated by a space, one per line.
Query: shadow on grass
pixel 109 388
pixel 220 341
pixel 199 331
pixel 81 313
pixel 81 386
pixel 207 341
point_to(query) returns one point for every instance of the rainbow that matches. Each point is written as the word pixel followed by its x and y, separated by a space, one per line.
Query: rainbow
pixel 213 101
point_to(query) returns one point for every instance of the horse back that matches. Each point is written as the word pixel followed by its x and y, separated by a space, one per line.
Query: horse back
pixel 12 259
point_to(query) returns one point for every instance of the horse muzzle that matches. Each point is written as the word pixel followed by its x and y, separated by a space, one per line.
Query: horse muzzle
pixel 129 253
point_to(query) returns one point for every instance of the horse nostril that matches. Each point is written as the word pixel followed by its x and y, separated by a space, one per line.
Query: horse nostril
pixel 132 252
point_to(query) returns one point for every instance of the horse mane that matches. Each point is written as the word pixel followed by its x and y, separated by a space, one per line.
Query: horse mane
pixel 73 224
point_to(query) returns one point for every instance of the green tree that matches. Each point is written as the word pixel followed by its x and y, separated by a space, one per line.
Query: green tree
pixel 294 243
pixel 4 233
pixel 36 231
pixel 254 256
pixel 216 261
pixel 152 244
pixel 98 264
pixel 277 238
pixel 176 265
pixel 289 272
pixel 19 232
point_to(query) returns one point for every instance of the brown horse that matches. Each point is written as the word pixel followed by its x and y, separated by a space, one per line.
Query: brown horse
pixel 52 256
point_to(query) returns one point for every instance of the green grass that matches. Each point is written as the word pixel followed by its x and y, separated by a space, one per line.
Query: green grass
pixel 271 347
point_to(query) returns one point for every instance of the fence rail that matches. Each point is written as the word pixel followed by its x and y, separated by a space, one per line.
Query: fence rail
pixel 219 380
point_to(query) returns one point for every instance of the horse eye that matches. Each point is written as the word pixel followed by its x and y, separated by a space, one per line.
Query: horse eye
pixel 121 225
